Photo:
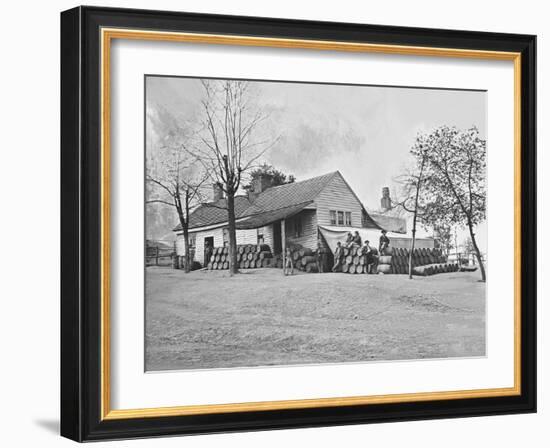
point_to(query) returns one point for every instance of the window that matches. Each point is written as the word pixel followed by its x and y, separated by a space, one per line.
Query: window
pixel 296 227
pixel 260 237
pixel 192 240
pixel 225 237
pixel 348 218
pixel 340 218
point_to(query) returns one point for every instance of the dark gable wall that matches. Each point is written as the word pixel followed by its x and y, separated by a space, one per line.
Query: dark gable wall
pixel 308 238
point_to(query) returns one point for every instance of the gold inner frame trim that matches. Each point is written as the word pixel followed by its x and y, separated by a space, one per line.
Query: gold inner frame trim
pixel 107 35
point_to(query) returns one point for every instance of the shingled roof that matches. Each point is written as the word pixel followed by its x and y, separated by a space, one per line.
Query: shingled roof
pixel 287 195
pixel 215 212
pixel 272 204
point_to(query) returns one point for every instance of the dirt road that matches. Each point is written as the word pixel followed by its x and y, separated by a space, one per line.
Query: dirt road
pixel 207 319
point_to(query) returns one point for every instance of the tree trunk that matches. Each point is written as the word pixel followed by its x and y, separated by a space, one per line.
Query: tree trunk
pixel 186 248
pixel 233 266
pixel 412 248
pixel 477 251
pixel 415 215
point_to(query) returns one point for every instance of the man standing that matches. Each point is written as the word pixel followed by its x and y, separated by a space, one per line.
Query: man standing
pixel 338 255
pixel 370 256
pixel 289 263
pixel 321 255
pixel 207 252
pixel 384 242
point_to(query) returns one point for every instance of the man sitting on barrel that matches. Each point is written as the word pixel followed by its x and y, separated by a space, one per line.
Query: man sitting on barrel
pixel 384 242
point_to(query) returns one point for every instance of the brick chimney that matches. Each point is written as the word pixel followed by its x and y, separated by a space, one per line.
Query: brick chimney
pixel 385 201
pixel 258 185
pixel 217 192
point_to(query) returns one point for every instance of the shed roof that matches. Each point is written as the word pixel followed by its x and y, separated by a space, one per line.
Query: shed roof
pixel 215 212
pixel 269 217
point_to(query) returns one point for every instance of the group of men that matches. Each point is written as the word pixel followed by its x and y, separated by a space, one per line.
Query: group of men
pixel 370 252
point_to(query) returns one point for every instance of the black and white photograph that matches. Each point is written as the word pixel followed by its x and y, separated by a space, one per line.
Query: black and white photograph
pixel 294 223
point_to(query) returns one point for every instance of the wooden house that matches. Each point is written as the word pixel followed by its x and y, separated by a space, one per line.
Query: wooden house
pixel 290 213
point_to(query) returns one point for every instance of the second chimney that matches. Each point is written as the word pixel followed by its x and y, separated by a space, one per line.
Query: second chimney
pixel 260 184
pixel 217 192
pixel 385 202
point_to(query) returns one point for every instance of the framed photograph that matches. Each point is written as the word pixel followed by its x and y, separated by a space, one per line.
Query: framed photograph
pixel 274 224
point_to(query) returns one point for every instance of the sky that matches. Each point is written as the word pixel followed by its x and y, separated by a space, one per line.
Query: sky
pixel 365 132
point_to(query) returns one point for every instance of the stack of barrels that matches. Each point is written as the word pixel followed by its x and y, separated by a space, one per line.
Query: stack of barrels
pixel 248 256
pixel 304 259
pixel 354 261
pixel 436 268
pixel 425 261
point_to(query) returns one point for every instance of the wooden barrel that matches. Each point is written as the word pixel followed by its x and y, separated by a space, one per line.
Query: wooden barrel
pixel 345 267
pixel 264 254
pixel 384 268
pixel 311 267
pixel 360 269
pixel 264 248
pixel 351 269
pixel 385 259
pixel 308 259
pixel 345 251
pixel 305 252
pixel 349 259
pixel 362 260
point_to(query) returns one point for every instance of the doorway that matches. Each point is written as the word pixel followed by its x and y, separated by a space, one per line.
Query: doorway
pixel 277 243
pixel 208 248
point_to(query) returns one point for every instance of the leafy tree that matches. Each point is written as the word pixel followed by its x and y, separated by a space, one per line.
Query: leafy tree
pixel 271 176
pixel 444 235
pixel 454 191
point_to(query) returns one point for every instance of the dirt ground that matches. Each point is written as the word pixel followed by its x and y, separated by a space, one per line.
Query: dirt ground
pixel 207 319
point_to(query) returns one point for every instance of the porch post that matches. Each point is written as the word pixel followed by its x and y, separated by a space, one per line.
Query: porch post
pixel 283 241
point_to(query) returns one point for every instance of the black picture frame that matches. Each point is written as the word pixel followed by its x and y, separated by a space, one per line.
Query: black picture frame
pixel 81 224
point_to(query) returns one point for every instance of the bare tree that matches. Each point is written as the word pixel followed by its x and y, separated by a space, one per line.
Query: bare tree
pixel 228 145
pixel 412 184
pixel 176 181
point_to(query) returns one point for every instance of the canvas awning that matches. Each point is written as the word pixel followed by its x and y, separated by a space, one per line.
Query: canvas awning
pixel 266 218
pixel 333 234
